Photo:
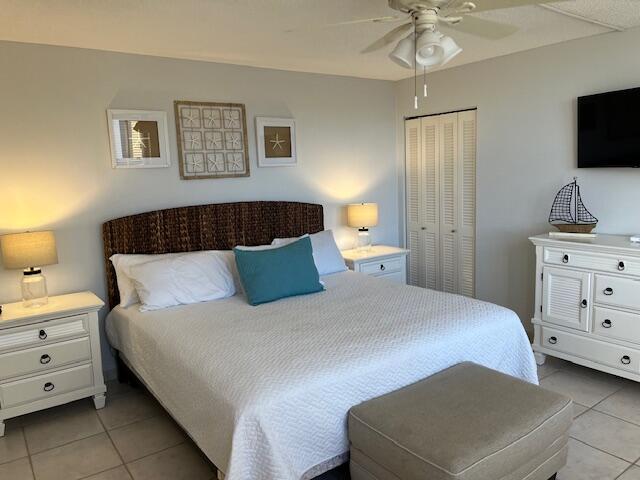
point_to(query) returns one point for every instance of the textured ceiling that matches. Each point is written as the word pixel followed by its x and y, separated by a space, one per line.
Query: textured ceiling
pixel 255 32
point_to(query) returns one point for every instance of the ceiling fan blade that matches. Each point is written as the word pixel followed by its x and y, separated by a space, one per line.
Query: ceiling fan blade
pixel 484 28
pixel 387 19
pixel 390 37
pixel 484 5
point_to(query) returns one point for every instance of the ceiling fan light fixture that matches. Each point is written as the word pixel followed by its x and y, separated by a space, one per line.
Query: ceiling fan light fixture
pixel 450 48
pixel 429 51
pixel 403 53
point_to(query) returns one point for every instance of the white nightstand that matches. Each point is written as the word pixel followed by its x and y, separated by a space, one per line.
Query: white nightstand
pixel 50 355
pixel 380 261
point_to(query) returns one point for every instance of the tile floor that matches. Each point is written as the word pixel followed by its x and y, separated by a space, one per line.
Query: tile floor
pixel 133 438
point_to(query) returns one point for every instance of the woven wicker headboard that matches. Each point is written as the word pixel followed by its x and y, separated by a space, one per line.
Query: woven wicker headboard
pixel 219 226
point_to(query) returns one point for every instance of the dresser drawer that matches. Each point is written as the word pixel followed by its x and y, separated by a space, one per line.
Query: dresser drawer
pixel 617 291
pixel 47 385
pixel 605 263
pixel 42 358
pixel 43 333
pixel 595 350
pixel 616 324
pixel 382 266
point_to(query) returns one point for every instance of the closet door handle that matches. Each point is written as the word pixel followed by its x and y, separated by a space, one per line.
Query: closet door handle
pixel 607 324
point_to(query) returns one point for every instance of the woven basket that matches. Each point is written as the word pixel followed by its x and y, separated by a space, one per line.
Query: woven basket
pixel 575 227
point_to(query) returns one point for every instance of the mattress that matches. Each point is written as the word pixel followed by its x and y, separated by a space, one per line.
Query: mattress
pixel 264 391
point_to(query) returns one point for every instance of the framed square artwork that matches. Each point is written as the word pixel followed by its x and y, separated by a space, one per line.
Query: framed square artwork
pixel 139 139
pixel 276 142
pixel 212 140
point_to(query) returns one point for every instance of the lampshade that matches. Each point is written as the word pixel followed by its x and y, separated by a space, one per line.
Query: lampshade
pixel 30 249
pixel 362 215
pixel 403 54
pixel 429 51
pixel 450 47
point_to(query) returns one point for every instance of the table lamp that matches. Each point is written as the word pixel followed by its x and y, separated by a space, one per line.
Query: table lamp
pixel 362 216
pixel 30 251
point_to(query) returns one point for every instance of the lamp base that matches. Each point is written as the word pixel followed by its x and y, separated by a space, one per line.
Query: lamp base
pixel 364 240
pixel 34 289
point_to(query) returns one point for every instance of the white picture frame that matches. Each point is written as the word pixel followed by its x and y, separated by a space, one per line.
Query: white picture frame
pixel 146 148
pixel 268 154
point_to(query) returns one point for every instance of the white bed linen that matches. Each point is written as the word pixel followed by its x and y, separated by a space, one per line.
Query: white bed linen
pixel 265 391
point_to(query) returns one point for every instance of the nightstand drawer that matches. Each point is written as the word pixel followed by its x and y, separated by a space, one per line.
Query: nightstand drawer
pixel 43 333
pixel 43 386
pixel 46 357
pixel 382 266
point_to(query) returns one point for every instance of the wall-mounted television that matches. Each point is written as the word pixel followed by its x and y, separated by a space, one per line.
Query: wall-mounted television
pixel 609 129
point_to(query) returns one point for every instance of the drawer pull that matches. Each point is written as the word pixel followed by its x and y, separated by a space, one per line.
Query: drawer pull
pixel 607 324
pixel 621 266
pixel 383 268
pixel 584 303
pixel 553 340
pixel 48 387
pixel 608 291
pixel 626 360
pixel 42 335
pixel 44 359
pixel 565 258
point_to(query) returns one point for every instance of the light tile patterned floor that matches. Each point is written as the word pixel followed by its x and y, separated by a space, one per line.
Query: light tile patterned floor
pixel 133 438
pixel 605 437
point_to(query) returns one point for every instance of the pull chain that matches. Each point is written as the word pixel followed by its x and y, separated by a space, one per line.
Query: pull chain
pixel 424 77
pixel 415 72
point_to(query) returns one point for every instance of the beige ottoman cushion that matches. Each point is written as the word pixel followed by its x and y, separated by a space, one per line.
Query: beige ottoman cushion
pixel 465 423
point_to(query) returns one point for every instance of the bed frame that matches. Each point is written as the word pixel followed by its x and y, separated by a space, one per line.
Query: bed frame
pixel 219 226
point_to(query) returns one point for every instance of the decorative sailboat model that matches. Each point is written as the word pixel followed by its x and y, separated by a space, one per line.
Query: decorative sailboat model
pixel 568 213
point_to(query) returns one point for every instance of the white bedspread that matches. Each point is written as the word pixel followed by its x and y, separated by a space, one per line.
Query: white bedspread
pixel 265 391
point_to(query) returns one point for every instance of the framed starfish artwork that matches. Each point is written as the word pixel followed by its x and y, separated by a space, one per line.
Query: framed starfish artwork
pixel 276 142
pixel 212 140
pixel 139 139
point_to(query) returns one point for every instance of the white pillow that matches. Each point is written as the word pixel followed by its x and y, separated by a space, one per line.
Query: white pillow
pixel 181 280
pixel 326 254
pixel 123 263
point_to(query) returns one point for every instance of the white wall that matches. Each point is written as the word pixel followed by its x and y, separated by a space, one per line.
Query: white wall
pixel 527 149
pixel 55 166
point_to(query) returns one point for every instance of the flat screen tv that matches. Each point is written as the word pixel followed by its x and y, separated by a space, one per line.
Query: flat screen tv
pixel 609 129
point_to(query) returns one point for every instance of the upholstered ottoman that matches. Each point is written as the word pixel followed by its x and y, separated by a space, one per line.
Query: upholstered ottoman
pixel 465 423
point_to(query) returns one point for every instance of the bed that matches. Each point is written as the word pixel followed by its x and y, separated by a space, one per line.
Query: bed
pixel 264 391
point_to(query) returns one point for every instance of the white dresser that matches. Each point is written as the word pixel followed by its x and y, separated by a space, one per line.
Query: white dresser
pixel 50 355
pixel 380 261
pixel 588 302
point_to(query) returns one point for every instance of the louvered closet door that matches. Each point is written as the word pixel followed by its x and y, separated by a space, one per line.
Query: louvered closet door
pixel 448 166
pixel 415 233
pixel 466 202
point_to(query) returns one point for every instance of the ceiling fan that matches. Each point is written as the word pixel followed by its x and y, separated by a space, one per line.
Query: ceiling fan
pixel 423 44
